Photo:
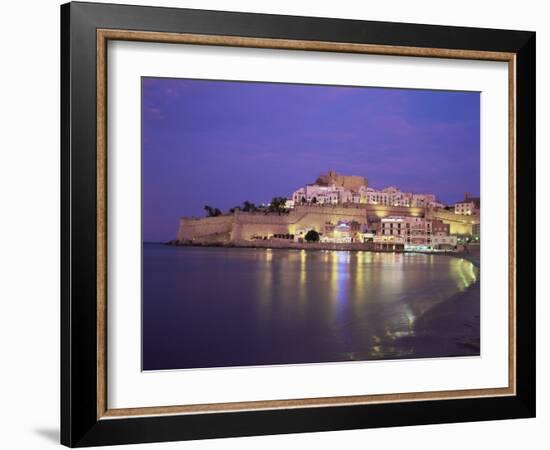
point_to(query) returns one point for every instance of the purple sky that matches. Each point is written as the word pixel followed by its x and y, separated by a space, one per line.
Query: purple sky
pixel 220 143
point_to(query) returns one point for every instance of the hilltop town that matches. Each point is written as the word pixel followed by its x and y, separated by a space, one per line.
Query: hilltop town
pixel 340 212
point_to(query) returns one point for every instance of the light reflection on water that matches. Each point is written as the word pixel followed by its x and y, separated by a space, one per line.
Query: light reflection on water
pixel 220 307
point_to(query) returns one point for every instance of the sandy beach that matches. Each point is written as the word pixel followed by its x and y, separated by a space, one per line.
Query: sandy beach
pixel 450 328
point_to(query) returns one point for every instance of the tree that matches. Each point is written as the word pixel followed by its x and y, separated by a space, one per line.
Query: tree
pixel 312 236
pixel 303 201
pixel 249 206
pixel 235 208
pixel 314 200
pixel 277 204
pixel 212 212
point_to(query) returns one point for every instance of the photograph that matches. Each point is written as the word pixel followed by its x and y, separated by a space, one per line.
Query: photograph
pixel 307 224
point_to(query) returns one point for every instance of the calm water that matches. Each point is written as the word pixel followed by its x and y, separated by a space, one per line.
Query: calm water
pixel 213 307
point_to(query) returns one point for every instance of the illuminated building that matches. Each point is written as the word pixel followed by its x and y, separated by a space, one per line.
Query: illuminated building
pixel 337 189
pixel 417 233
pixel 468 207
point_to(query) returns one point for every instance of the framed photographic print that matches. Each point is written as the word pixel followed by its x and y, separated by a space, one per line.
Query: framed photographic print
pixel 276 224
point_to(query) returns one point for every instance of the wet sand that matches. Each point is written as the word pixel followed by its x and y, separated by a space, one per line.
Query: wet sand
pixel 450 328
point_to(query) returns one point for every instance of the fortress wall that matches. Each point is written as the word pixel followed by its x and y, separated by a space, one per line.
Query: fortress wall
pixel 262 218
pixel 460 228
pixel 317 219
pixel 353 208
pixel 245 231
pixel 381 211
pixel 197 228
pixel 443 214
pixel 244 225
pixel 249 224
pixel 459 224
pixel 363 208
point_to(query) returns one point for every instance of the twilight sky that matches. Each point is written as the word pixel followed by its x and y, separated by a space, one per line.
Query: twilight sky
pixel 220 143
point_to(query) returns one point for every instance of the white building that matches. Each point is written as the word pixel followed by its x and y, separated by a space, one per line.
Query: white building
pixel 313 193
pixel 468 207
pixel 417 233
pixel 465 208
pixel 391 196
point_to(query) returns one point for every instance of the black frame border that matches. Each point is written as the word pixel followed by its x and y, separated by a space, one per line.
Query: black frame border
pixel 79 423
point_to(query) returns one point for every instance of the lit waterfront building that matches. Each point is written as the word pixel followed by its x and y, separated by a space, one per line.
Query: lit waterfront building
pixel 416 233
pixel 388 242
pixel 343 232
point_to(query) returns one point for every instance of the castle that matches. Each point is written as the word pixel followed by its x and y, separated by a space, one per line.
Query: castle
pixel 334 205
pixel 349 182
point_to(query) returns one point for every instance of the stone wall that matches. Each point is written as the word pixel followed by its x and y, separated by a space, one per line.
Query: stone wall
pixel 215 229
pixel 242 226
pixel 248 225
pixel 459 224
pixel 380 211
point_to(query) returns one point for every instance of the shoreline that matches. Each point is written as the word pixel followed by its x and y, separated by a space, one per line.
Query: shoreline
pixel 450 328
pixel 316 246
